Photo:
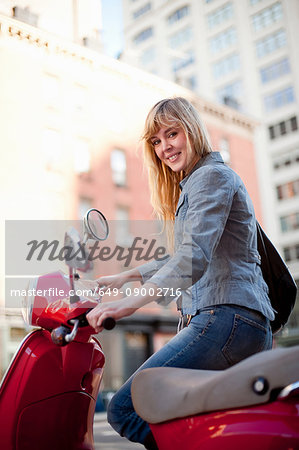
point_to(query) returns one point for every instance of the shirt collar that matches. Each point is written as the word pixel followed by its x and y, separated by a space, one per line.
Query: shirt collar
pixel 205 160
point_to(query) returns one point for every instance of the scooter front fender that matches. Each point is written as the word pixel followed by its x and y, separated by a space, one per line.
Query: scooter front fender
pixel 48 395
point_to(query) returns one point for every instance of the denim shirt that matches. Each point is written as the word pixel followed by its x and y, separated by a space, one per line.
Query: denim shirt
pixel 215 259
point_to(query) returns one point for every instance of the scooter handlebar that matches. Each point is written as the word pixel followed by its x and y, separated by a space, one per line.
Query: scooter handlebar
pixel 108 323
pixel 63 335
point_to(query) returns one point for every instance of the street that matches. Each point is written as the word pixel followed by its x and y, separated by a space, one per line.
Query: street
pixel 106 438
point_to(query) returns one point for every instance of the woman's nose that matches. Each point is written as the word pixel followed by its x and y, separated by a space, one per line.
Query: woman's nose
pixel 165 145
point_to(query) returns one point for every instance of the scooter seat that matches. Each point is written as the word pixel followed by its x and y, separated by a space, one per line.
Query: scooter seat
pixel 165 393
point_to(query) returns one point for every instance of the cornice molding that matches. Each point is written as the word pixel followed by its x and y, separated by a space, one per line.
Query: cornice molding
pixel 52 44
pixel 13 28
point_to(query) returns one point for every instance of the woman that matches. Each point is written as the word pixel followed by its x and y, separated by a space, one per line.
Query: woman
pixel 210 218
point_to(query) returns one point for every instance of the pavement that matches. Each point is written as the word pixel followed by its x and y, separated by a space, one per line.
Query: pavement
pixel 105 438
pixel 100 416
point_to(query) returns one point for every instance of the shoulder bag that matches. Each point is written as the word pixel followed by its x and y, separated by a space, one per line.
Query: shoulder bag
pixel 282 287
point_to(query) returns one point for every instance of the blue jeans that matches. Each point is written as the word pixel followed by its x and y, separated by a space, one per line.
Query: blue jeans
pixel 215 339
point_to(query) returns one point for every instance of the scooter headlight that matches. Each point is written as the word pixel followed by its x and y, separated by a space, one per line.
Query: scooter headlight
pixel 28 301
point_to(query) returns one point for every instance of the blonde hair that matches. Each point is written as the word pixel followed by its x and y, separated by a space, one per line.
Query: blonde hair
pixel 163 182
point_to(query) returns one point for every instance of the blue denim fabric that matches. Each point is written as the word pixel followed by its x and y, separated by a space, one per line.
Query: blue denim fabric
pixel 215 259
pixel 216 338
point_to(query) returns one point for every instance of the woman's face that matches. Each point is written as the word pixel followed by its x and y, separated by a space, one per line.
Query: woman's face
pixel 170 145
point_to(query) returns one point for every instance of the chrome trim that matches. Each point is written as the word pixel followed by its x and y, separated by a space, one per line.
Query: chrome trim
pixel 289 390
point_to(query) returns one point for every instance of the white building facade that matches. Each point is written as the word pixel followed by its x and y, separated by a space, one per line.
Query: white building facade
pixel 242 53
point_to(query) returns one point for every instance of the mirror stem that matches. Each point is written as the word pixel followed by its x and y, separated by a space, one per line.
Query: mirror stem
pixel 73 297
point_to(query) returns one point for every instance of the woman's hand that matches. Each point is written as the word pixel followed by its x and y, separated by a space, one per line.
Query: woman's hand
pixel 116 309
pixel 121 308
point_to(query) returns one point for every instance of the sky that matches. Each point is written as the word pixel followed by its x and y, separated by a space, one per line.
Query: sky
pixel 112 27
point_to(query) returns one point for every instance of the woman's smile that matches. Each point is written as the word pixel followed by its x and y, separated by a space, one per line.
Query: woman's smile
pixel 174 157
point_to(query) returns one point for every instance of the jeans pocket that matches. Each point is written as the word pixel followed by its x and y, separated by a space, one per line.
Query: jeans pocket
pixel 246 338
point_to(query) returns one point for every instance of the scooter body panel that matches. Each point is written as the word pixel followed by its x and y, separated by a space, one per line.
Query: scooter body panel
pixel 42 386
pixel 272 426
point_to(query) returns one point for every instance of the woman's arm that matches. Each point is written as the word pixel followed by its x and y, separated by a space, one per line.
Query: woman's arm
pixel 118 280
pixel 121 308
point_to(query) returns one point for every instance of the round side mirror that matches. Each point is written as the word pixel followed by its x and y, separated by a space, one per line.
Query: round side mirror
pixel 95 225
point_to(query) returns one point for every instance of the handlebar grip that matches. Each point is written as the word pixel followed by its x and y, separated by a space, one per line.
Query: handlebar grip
pixel 108 323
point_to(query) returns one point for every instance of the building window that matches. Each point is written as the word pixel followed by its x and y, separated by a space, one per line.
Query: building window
pixel 143 10
pixel 118 163
pixel 143 36
pixel 179 14
pixel 182 62
pixel 81 156
pixel 271 43
pixel 275 70
pixel 267 16
pixel 220 15
pixel 25 15
pixel 122 226
pixel 223 41
pixel 279 192
pixel 282 128
pixel 230 94
pixel 226 66
pixel 279 98
pixel 180 37
pixel 254 2
pixel 148 56
pixel 294 123
pixel 289 222
pixel 191 82
pixel 283 224
pixel 291 253
pixel 17 334
pixel 287 254
pixel 271 132
pixel 288 190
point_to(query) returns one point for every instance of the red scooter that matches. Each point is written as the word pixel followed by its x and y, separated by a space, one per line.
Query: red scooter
pixel 252 405
pixel 48 394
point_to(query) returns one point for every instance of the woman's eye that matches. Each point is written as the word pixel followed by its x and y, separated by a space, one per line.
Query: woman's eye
pixel 154 143
pixel 173 134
